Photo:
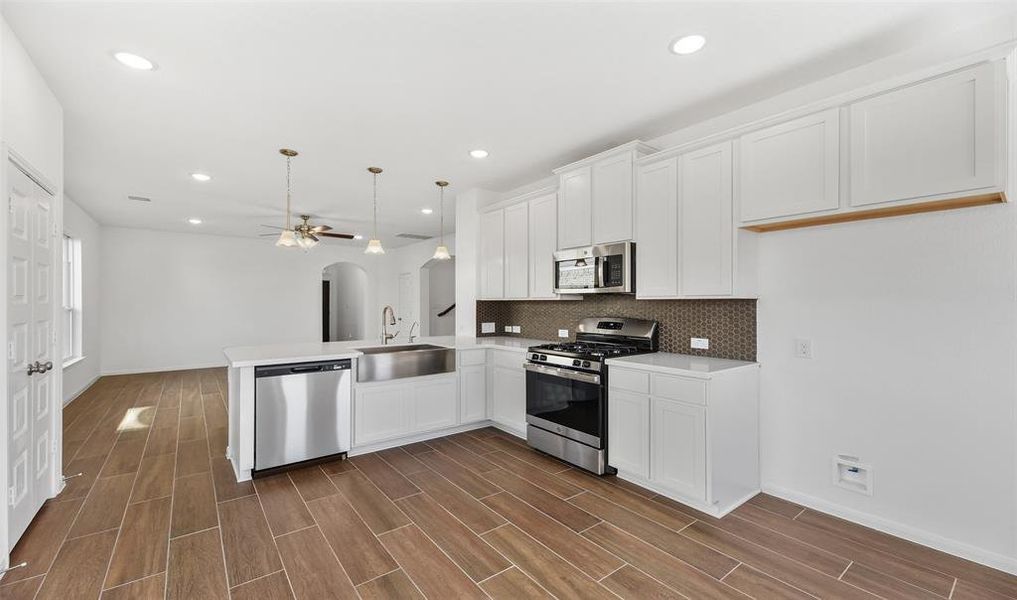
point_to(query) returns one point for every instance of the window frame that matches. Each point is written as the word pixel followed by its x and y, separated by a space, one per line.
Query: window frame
pixel 71 350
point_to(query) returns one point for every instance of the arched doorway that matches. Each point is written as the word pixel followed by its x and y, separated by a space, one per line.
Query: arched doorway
pixel 343 300
pixel 438 297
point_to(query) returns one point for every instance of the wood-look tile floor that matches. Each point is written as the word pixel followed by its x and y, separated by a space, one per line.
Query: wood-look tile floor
pixel 158 514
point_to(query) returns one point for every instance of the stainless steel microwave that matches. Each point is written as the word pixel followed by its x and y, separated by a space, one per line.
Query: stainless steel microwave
pixel 603 269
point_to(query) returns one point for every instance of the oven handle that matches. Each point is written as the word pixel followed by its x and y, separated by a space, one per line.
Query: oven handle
pixel 565 373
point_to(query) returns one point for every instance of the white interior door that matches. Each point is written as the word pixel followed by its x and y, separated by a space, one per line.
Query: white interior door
pixel 31 339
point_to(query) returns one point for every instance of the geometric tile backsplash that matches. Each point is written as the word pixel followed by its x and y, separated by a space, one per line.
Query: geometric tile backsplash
pixel 729 324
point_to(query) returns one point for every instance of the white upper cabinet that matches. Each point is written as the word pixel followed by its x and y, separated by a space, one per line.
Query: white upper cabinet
pixel 705 225
pixel 935 137
pixel 612 199
pixel 595 197
pixel 575 208
pixel 657 230
pixel 792 168
pixel 492 255
pixel 517 266
pixel 543 243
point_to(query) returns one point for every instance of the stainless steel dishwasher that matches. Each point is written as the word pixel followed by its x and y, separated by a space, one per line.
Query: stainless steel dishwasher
pixel 301 413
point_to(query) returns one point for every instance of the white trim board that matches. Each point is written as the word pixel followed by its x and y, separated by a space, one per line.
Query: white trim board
pixel 912 534
pixel 77 394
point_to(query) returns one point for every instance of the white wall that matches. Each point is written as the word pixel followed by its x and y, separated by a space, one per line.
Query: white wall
pixel 175 300
pixel 406 260
pixel 80 225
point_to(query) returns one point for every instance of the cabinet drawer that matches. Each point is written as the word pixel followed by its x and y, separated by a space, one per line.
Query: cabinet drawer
pixel 509 359
pixel 470 358
pixel 630 380
pixel 684 389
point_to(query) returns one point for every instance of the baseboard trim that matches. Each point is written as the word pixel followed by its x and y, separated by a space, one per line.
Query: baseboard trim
pixel 106 372
pixel 913 534
pixel 84 389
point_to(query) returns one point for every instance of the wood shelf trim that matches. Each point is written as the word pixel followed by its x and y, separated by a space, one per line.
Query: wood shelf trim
pixel 879 213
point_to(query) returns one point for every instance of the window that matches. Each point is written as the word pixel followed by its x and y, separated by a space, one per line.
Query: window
pixel 71 317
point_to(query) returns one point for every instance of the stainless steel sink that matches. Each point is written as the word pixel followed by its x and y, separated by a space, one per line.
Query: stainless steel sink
pixel 382 363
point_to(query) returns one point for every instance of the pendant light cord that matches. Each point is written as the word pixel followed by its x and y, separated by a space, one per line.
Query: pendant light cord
pixel 441 213
pixel 375 236
pixel 287 192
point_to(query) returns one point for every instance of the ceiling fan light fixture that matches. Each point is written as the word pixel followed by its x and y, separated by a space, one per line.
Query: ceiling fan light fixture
pixel 306 242
pixel 374 247
pixel 286 239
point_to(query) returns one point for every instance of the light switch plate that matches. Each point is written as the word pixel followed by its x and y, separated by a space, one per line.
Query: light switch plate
pixel 487 328
pixel 517 329
pixel 700 343
pixel 563 333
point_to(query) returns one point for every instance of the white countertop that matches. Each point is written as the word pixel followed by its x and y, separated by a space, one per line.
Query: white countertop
pixel 702 367
pixel 273 354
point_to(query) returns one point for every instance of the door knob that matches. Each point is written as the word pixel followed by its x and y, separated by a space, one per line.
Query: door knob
pixel 34 368
pixel 48 365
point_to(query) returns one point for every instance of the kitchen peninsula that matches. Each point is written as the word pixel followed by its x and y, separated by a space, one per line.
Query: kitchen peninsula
pixel 395 410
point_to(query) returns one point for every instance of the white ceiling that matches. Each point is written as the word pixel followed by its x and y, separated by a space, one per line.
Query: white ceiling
pixel 410 87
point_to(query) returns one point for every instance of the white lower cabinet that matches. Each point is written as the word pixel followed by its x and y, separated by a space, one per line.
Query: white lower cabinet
pixel 472 393
pixel 678 446
pixel 392 409
pixel 628 432
pixel 508 397
pixel 692 439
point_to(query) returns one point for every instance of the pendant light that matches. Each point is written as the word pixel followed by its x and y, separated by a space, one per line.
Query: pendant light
pixel 441 252
pixel 286 237
pixel 374 245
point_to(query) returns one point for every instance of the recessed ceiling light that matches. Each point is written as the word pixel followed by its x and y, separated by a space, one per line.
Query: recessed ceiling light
pixel 134 61
pixel 478 153
pixel 358 237
pixel 426 211
pixel 688 44
pixel 194 221
pixel 200 177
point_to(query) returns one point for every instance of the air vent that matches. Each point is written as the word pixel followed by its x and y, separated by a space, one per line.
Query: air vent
pixel 414 236
pixel 139 198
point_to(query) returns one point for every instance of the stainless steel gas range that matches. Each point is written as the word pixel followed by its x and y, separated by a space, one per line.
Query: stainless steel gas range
pixel 566 388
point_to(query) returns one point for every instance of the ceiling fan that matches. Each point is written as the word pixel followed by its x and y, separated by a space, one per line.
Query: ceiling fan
pixel 306 231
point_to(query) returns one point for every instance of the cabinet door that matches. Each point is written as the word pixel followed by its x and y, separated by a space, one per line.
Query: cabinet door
pixel 678 440
pixel 792 168
pixel 612 199
pixel 517 266
pixel 434 404
pixel 380 413
pixel 543 243
pixel 492 254
pixel 935 137
pixel 508 403
pixel 705 225
pixel 628 433
pixel 574 208
pixel 472 394
pixel 656 229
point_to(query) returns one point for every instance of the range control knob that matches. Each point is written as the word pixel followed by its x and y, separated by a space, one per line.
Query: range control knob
pixel 543 357
pixel 586 363
pixel 535 356
pixel 576 362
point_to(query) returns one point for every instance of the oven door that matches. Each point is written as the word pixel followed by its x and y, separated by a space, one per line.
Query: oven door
pixel 566 402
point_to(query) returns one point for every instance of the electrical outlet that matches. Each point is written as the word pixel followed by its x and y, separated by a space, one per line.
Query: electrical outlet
pixel 700 343
pixel 563 333
pixel 803 348
pixel 517 329
pixel 508 329
pixel 487 328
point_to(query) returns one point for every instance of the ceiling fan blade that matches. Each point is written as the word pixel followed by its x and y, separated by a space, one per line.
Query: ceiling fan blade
pixel 342 236
pixel 268 235
pixel 313 237
pixel 320 228
pixel 273 227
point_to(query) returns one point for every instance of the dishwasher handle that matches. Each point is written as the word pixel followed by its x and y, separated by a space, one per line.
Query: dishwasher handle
pixel 302 368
